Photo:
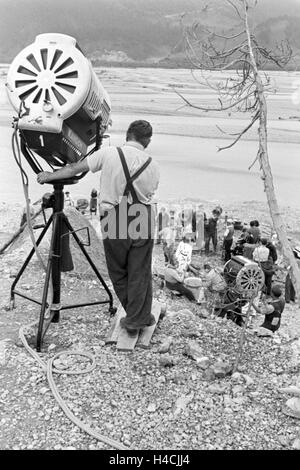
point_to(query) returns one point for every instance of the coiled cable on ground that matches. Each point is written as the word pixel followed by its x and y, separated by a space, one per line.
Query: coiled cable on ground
pixel 49 368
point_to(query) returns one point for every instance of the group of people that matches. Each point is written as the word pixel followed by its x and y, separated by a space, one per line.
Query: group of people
pixel 226 302
pixel 128 173
pixel 189 224
pixel 82 204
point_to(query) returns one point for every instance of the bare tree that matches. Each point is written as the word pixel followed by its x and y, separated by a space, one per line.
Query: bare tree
pixel 243 89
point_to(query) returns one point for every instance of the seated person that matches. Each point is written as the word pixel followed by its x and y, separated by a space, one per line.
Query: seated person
pixel 168 236
pixel 174 278
pixel 213 280
pixel 184 253
pixel 272 310
pixel 214 286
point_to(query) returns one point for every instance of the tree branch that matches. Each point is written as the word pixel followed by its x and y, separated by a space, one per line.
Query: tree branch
pixel 256 117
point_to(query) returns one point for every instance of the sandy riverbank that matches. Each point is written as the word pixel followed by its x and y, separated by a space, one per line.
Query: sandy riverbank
pixel 185 141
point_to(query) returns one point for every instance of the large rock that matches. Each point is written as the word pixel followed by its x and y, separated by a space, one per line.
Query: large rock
pixel 222 368
pixel 292 407
pixel 193 350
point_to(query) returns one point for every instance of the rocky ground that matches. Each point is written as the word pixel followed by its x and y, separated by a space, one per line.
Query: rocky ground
pixel 177 395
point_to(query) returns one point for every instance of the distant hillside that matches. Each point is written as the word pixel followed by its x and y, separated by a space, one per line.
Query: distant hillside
pixel 138 32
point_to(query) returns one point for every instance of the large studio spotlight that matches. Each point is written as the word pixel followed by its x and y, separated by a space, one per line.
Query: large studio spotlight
pixel 63 110
pixel 62 114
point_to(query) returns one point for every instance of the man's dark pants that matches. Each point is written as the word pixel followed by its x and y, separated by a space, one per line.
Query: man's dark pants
pixel 268 282
pixel 179 287
pixel 129 264
pixel 213 237
pixel 290 293
pixel 227 249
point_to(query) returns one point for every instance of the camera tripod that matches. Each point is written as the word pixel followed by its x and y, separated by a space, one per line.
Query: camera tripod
pixel 61 228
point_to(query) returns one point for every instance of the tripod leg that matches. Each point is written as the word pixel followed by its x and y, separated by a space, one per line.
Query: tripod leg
pixel 44 303
pixel 111 308
pixel 26 262
pixel 52 256
pixel 56 264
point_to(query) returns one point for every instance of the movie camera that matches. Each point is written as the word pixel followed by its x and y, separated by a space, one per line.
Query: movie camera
pixel 244 276
pixel 63 113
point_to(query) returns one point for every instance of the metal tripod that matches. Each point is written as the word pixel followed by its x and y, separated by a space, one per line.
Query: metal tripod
pixel 60 227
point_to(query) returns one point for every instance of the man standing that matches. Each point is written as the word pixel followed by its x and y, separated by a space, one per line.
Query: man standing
pixel 210 231
pixel 272 310
pixel 128 181
pixel 68 199
pixel 254 230
pixel 163 220
pixel 228 239
pixel 168 235
pixel 199 226
pixel 262 256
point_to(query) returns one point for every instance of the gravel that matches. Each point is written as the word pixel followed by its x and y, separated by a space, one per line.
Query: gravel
pixel 165 397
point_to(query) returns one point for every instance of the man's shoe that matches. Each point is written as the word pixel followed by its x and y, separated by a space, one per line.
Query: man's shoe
pixel 131 331
pixel 152 320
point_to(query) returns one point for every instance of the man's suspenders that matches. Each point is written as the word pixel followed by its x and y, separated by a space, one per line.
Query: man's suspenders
pixel 129 179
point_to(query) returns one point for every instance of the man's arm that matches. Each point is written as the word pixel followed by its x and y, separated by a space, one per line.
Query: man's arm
pixel 264 310
pixel 66 172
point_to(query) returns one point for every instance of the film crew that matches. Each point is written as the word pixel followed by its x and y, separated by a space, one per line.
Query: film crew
pixel 262 256
pixel 228 239
pixel 210 231
pixel 183 253
pixel 168 237
pixel 255 230
pixel 213 281
pixel 214 284
pixel 128 180
pixel 245 238
pixel 272 310
pixel 273 252
pixel 199 226
pixel 290 293
pixel 163 220
pixel 174 278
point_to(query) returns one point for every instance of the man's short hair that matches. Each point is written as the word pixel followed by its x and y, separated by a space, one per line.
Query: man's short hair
pixel 276 291
pixel 207 266
pixel 264 241
pixel 140 130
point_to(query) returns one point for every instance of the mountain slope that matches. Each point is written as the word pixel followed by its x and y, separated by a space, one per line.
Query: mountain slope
pixel 142 30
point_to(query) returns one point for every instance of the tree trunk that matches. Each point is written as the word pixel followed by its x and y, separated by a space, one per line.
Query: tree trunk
pixel 267 177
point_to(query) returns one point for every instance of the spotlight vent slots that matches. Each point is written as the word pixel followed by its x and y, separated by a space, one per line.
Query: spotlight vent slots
pixel 49 77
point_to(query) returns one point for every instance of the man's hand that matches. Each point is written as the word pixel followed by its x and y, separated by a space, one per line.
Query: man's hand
pixel 44 177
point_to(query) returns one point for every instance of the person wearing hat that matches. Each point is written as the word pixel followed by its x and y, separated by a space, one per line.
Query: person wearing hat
pixel 228 239
pixel 272 310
